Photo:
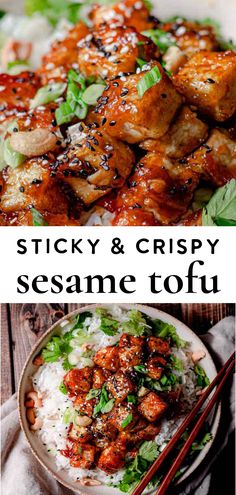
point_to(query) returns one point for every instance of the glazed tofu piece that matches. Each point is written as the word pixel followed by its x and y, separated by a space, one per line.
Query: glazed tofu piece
pixel 158 189
pixel 31 184
pixel 185 134
pixel 112 459
pixel 99 377
pixel 123 111
pixel 84 406
pixel 120 414
pixel 107 358
pixel 62 56
pixel 83 455
pixel 208 81
pixel 94 163
pixel 103 432
pixel 120 385
pixel 155 367
pixel 152 407
pixel 79 434
pixel 107 52
pixel 127 12
pixel 129 439
pixel 216 160
pixel 156 345
pixel 191 37
pixel 78 380
pixel 130 350
pixel 16 93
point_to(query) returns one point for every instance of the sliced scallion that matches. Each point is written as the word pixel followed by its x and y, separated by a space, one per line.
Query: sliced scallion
pixel 64 113
pixel 92 93
pixel 141 62
pixel 150 78
pixel 81 109
pixel 11 157
pixel 47 94
pixel 38 220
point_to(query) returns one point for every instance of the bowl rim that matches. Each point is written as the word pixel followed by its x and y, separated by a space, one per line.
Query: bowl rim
pixel 37 347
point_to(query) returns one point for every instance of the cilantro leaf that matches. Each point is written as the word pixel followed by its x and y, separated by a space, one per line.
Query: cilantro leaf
pixel 149 451
pixel 202 378
pixel 62 388
pixel 80 319
pixel 107 325
pixel 221 209
pixel 104 399
pixel 136 324
pixel 166 331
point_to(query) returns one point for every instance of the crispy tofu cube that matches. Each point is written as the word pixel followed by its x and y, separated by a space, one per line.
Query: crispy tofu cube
pixel 185 135
pixel 152 407
pixel 108 358
pixel 120 385
pixel 120 413
pixel 158 346
pixel 31 184
pixel 155 367
pixel 191 37
pixel 122 110
pixel 83 455
pixel 216 160
pixel 84 406
pixel 208 81
pixel 103 432
pixel 130 350
pixel 77 381
pixel 125 12
pixel 112 459
pixel 99 377
pixel 80 434
pixel 129 439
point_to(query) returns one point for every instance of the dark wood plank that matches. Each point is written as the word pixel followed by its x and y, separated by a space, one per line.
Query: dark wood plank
pixel 201 317
pixel 28 323
pixel 7 373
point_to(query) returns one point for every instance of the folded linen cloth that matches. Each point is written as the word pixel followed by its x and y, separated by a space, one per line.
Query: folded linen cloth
pixel 23 475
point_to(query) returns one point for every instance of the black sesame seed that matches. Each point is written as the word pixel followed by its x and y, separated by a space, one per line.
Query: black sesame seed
pixel 21 189
pixel 104 120
pixel 210 81
pixel 113 122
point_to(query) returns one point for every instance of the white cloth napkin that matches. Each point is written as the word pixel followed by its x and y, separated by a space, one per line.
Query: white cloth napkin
pixel 23 475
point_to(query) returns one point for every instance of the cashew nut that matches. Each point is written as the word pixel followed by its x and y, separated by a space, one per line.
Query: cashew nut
pixel 83 420
pixel 198 355
pixel 89 482
pixel 30 414
pixel 33 143
pixel 34 396
pixel 37 425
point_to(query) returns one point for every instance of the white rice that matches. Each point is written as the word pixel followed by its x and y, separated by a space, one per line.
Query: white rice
pixel 49 376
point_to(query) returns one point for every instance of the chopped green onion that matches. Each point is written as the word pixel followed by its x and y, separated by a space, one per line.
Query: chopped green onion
pixel 12 157
pixel 38 220
pixel 108 407
pixel 127 421
pixel 93 392
pixel 62 388
pixel 151 78
pixel 47 94
pixel 92 93
pixel 64 113
pixel 74 76
pixel 161 38
pixel 81 109
pixel 141 62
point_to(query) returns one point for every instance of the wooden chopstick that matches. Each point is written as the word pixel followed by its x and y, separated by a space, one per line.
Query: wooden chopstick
pixel 186 447
pixel 171 444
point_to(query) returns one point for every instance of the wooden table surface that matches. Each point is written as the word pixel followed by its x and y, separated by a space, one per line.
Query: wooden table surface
pixel 23 324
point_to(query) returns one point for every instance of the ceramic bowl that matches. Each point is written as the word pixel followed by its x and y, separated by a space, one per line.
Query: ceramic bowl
pixel 25 385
